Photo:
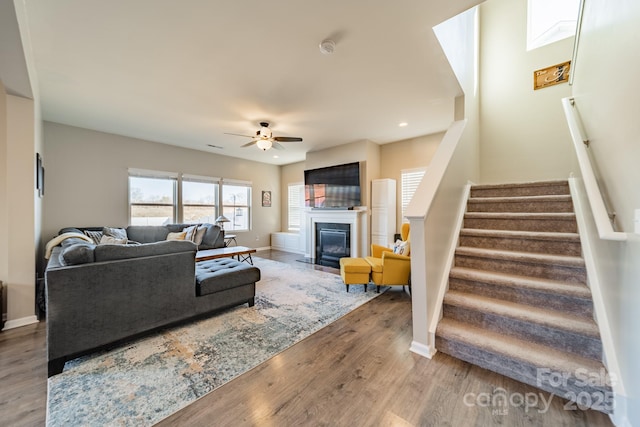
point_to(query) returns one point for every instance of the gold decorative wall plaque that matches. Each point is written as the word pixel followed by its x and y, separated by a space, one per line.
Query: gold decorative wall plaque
pixel 550 76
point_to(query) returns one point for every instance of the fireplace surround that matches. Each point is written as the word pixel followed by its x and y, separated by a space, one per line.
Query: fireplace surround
pixel 355 220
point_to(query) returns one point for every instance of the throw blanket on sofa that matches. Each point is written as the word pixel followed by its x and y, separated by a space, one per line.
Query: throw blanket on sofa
pixel 58 239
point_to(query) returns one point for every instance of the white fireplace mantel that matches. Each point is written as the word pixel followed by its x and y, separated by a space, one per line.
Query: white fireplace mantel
pixel 357 218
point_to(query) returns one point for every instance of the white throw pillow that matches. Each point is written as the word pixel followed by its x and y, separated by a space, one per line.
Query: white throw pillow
pixel 401 248
pixel 110 240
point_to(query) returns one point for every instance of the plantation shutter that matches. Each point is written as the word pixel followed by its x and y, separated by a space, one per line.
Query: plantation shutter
pixel 410 180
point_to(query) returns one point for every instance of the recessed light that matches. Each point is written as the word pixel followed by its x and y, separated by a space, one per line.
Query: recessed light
pixel 275 156
pixel 402 124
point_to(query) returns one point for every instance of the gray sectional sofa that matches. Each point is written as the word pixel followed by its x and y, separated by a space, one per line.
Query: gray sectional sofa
pixel 101 294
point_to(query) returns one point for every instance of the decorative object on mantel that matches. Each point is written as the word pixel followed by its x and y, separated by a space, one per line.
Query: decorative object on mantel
pixel 221 220
pixel 153 377
pixel 550 76
pixel 266 199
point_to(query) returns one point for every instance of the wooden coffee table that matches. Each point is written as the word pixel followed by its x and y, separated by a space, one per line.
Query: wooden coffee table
pixel 242 253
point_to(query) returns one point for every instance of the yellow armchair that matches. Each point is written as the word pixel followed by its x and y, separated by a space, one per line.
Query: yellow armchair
pixel 388 268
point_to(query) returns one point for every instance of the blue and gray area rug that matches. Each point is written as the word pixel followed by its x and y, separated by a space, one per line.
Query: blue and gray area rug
pixel 147 380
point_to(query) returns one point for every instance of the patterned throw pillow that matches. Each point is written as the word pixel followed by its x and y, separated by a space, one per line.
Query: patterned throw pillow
pixel 401 248
pixel 195 233
pixel 118 233
pixel 110 240
pixel 94 235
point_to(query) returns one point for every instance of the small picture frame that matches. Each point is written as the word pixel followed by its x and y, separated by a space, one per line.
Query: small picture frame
pixel 550 76
pixel 266 199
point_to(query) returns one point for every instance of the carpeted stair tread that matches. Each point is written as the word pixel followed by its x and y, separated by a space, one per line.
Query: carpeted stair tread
pixel 514 234
pixel 577 290
pixel 541 316
pixel 520 199
pixel 565 216
pixel 528 257
pixel 523 188
pixel 511 347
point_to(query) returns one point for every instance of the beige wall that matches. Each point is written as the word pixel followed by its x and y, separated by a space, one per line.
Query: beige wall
pixel 407 154
pixel 4 197
pixel 19 227
pixel 87 179
pixel 523 133
pixel 609 108
pixel 289 174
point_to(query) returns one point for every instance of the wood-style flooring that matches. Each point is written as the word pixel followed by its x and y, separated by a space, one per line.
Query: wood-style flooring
pixel 357 371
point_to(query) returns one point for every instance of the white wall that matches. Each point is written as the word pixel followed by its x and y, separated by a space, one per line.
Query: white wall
pixel 87 179
pixel 523 133
pixel 608 104
pixel 434 208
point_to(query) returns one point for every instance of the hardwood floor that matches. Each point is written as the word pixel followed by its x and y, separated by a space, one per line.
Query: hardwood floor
pixel 358 371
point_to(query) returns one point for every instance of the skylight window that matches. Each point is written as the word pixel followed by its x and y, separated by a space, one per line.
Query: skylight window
pixel 550 21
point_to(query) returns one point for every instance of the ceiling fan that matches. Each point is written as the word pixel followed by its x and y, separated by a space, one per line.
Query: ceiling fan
pixel 264 139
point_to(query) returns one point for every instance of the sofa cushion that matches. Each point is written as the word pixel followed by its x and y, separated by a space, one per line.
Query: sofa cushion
pixel 116 252
pixel 110 240
pixel 147 233
pixel 224 273
pixel 76 251
pixel 213 237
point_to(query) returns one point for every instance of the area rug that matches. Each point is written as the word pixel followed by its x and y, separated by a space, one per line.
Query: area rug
pixel 147 380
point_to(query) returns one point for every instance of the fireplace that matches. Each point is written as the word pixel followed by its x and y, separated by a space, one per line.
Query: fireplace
pixel 333 241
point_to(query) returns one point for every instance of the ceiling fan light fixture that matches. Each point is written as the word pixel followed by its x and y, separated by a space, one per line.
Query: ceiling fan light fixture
pixel 264 144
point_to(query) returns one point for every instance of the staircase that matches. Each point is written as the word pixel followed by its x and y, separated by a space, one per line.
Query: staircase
pixel 517 302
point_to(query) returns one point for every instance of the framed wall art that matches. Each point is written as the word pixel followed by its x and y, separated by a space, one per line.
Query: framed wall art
pixel 266 199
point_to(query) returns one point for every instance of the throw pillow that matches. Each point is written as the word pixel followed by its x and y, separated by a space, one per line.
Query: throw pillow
pixel 110 240
pixel 177 236
pixel 118 233
pixel 402 248
pixel 94 235
pixel 199 235
pixel 191 232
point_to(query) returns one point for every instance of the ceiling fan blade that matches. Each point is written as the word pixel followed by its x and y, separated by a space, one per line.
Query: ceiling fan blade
pixel 287 139
pixel 277 146
pixel 237 134
pixel 249 144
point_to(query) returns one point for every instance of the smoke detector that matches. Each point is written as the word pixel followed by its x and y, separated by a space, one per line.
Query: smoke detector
pixel 327 46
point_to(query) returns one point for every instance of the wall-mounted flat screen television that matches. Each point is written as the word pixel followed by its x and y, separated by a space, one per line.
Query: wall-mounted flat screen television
pixel 333 187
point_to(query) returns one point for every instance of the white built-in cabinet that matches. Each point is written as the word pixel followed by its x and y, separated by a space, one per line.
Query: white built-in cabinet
pixel 288 242
pixel 383 211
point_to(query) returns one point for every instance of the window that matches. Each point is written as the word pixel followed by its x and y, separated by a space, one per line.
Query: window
pixel 236 203
pixel 410 180
pixel 152 198
pixel 157 198
pixel 199 197
pixel 549 21
pixel 294 206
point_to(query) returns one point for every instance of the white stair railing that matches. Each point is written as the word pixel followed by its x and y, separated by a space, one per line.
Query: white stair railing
pixel 596 200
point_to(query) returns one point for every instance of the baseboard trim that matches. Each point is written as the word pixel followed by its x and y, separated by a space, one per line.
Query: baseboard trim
pixel 620 418
pixel 422 350
pixel 23 321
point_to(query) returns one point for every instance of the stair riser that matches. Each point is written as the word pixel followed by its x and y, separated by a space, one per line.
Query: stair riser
pixel 553 247
pixel 559 339
pixel 543 225
pixel 541 190
pixel 528 373
pixel 544 271
pixel 580 307
pixel 529 207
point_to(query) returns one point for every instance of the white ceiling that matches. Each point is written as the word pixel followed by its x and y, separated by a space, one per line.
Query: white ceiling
pixel 186 72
